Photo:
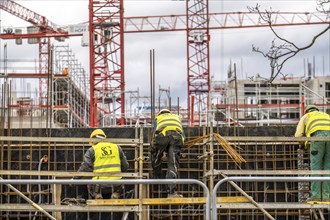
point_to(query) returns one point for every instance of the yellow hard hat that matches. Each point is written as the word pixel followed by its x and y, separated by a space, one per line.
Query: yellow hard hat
pixel 97 133
pixel 165 110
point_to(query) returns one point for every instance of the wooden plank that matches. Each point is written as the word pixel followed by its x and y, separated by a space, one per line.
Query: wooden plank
pixel 165 201
pixel 319 202
pixel 64 174
pixel 57 192
pixel 232 199
pixel 119 141
pixel 145 214
pixel 225 206
pixel 68 208
pixel 129 141
pixel 271 206
pixel 269 172
pixel 128 175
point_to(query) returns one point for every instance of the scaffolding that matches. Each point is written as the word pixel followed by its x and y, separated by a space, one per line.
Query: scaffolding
pixel 258 103
pixel 67 96
pixel 206 161
pixel 236 103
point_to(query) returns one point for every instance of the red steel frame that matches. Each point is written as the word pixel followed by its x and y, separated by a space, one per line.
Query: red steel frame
pixel 46 27
pixel 107 64
pixel 44 47
pixel 198 58
pixel 106 59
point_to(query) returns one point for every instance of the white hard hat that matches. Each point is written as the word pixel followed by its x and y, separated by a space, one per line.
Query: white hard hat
pixel 165 110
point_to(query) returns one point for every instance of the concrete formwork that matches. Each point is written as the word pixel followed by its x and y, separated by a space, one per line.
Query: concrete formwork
pixel 268 151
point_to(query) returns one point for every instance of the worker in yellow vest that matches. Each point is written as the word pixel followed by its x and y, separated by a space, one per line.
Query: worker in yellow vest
pixel 169 138
pixel 317 124
pixel 104 157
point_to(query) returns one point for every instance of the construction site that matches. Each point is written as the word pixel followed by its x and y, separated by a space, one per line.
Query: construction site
pixel 240 159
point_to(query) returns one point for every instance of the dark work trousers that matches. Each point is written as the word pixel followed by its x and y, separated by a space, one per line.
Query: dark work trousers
pixel 171 144
pixel 105 190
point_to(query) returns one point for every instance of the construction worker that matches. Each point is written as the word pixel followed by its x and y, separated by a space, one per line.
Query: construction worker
pixel 104 157
pixel 169 138
pixel 317 124
pixel 65 71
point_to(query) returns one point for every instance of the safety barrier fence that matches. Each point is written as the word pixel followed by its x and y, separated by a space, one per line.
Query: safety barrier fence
pixel 208 208
pixel 124 182
pixel 260 179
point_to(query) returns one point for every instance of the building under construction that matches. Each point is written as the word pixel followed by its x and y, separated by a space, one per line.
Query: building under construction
pixel 240 159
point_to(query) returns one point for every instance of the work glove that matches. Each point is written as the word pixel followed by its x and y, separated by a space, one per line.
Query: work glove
pixel 307 145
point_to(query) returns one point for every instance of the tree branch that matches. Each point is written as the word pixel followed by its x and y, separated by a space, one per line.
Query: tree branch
pixel 278 55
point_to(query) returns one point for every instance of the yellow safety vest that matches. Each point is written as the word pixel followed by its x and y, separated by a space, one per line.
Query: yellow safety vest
pixel 317 121
pixel 107 159
pixel 168 122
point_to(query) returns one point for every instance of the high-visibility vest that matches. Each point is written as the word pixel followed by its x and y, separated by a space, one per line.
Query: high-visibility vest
pixel 107 159
pixel 168 122
pixel 317 121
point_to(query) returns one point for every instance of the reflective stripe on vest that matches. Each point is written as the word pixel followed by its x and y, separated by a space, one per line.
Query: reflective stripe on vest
pixel 168 122
pixel 317 121
pixel 107 159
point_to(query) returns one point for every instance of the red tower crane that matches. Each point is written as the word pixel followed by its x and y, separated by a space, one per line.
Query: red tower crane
pixel 45 27
pixel 106 43
pixel 198 59
pixel 198 50
pixel 107 27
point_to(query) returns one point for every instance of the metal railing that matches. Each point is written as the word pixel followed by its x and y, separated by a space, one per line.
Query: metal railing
pixel 174 181
pixel 259 179
pixel 124 182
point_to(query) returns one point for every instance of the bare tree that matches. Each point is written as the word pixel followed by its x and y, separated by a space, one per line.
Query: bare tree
pixel 279 54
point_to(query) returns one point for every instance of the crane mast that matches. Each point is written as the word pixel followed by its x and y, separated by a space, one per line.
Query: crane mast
pixel 106 43
pixel 198 60
pixel 107 26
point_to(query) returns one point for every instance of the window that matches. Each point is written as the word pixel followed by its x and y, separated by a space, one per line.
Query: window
pixel 327 90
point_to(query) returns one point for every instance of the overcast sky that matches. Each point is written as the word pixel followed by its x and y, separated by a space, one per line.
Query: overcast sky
pixel 171 64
